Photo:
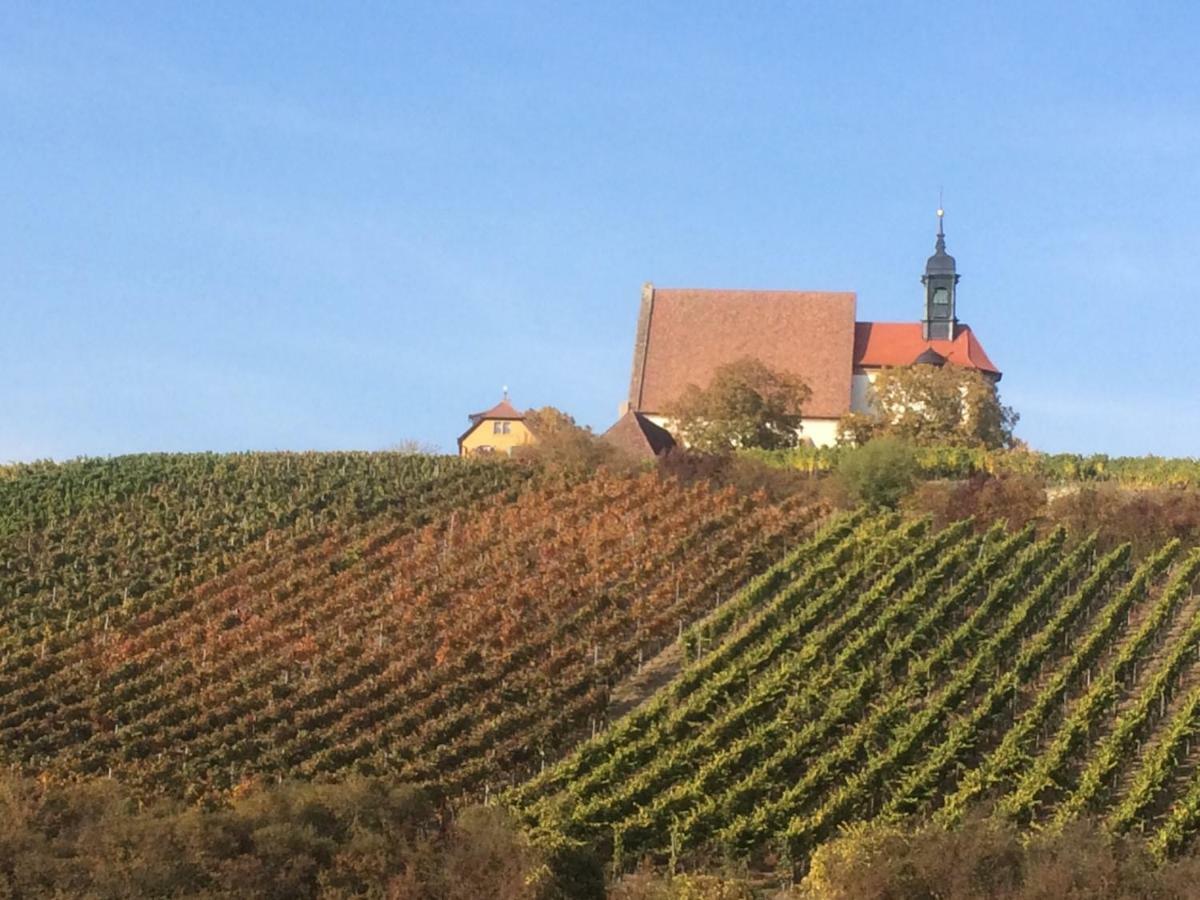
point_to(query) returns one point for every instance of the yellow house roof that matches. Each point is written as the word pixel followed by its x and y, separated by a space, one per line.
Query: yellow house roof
pixel 502 411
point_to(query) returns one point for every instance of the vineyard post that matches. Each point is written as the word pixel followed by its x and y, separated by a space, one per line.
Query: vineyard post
pixel 786 865
pixel 618 851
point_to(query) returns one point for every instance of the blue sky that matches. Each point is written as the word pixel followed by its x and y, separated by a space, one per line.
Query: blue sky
pixel 267 226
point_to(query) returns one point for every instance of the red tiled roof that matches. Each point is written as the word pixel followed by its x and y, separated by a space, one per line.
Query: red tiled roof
pixel 502 410
pixel 684 335
pixel 637 435
pixel 878 344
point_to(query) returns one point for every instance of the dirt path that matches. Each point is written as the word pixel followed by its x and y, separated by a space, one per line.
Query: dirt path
pixel 637 689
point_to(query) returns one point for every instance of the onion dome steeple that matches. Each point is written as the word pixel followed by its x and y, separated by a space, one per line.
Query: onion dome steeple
pixel 940 280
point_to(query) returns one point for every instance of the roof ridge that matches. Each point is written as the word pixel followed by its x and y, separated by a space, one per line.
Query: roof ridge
pixel 804 291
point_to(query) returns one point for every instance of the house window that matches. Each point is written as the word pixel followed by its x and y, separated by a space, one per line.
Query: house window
pixel 500 427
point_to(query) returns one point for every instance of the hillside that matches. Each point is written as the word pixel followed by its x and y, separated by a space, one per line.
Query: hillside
pixel 417 618
pixel 639 666
pixel 114 538
pixel 901 672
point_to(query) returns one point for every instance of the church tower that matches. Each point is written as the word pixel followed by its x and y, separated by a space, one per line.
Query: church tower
pixel 940 322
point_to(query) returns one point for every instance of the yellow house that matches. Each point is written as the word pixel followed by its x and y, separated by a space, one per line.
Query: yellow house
pixel 500 429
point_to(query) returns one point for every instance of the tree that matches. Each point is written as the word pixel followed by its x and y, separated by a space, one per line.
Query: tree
pixel 928 405
pixel 746 404
pixel 549 422
pixel 562 443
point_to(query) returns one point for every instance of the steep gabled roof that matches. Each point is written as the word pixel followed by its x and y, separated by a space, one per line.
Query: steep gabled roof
pixel 502 410
pixel 637 435
pixel 684 335
pixel 879 344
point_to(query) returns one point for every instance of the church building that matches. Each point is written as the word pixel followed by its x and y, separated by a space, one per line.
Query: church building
pixel 685 334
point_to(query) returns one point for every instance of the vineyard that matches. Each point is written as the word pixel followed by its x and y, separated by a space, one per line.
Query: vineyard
pixel 1055 468
pixel 187 629
pixel 638 665
pixel 109 539
pixel 902 671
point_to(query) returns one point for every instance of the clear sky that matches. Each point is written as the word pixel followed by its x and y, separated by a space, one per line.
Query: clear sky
pixel 292 226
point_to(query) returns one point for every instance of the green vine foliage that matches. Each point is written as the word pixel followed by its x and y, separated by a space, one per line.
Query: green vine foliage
pixel 978 668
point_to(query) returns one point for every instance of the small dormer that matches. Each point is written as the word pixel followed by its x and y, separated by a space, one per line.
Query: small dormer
pixel 929 357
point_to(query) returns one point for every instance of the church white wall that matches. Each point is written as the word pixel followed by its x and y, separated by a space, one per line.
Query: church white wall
pixel 860 391
pixel 822 432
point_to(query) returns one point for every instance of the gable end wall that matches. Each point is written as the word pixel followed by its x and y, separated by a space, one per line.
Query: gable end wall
pixel 638 375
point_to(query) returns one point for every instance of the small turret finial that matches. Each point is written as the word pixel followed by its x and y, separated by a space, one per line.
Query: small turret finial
pixel 941 234
pixel 505 390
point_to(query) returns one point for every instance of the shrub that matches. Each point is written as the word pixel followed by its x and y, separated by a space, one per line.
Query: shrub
pixel 984 858
pixel 1018 499
pixel 879 473
pixel 647 886
pixel 358 838
pixel 1147 518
